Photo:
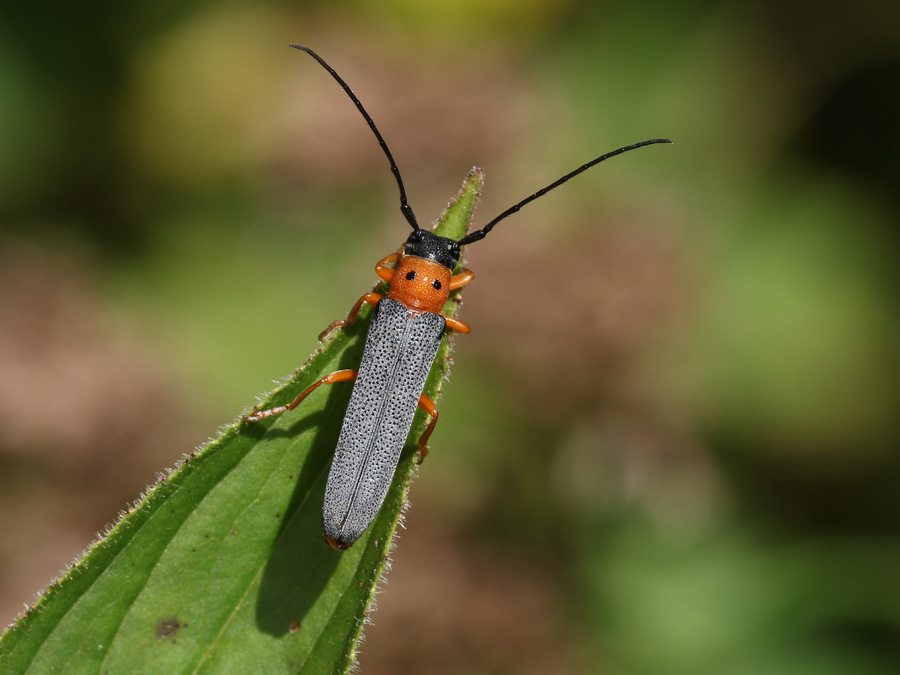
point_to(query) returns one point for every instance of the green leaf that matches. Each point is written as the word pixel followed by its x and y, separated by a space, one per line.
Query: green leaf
pixel 222 567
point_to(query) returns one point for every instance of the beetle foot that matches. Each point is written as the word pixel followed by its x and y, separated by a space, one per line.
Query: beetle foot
pixel 333 327
pixel 262 414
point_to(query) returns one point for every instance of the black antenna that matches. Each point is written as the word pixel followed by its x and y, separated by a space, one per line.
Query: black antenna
pixel 480 234
pixel 405 208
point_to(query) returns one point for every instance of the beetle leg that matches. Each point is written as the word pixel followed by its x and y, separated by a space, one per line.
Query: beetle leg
pixel 457 325
pixel 426 404
pixel 458 281
pixel 336 376
pixel 461 279
pixel 381 267
pixel 385 273
pixel 371 298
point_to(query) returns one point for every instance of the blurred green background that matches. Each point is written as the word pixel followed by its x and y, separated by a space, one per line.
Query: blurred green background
pixel 670 444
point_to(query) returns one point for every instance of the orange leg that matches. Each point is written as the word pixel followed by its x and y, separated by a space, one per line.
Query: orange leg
pixel 385 273
pixel 371 298
pixel 426 404
pixel 336 376
pixel 457 325
pixel 458 281
pixel 381 267
pixel 461 279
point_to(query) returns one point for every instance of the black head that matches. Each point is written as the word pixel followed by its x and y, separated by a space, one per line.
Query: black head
pixel 425 244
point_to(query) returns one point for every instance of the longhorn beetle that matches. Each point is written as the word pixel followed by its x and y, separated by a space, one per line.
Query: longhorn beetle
pixel 403 339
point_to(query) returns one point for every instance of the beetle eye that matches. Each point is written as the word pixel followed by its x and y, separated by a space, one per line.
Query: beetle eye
pixel 410 275
pixel 437 285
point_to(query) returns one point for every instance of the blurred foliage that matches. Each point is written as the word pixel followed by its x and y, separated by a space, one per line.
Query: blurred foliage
pixel 712 472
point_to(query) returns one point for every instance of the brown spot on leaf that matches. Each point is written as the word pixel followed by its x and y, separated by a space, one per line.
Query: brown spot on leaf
pixel 167 627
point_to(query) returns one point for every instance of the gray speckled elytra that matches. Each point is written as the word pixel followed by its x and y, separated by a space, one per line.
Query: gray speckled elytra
pixel 400 349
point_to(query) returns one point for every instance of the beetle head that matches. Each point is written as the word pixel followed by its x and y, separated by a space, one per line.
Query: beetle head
pixel 428 245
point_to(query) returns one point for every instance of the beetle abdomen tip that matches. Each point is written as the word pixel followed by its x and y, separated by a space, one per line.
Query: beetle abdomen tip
pixel 337 544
